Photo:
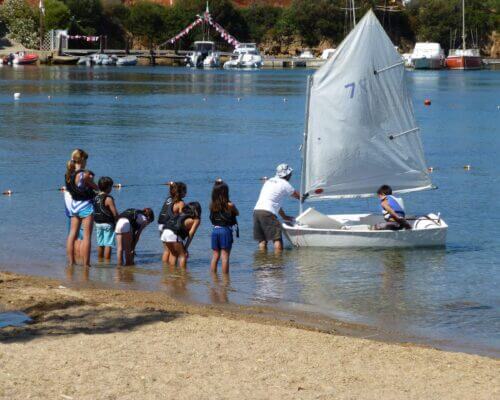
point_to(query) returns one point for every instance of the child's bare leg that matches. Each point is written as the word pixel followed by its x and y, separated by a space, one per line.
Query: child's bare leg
pixel 182 256
pixel 119 249
pixel 127 248
pixel 166 254
pixel 263 245
pixel 278 246
pixel 70 241
pixel 107 253
pixel 215 260
pixel 225 260
pixel 100 252
pixel 172 258
pixel 78 250
pixel 88 224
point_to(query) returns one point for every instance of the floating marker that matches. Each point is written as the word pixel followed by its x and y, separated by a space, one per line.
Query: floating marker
pixel 467 167
pixel 430 169
pixel 116 97
pixel 264 178
pixel 218 180
pixel 427 102
pixel 49 97
pixel 7 193
pixel 204 99
pixel 117 185
pixel 62 189
pixel 169 183
pixel 17 96
pixel 285 99
pixel 239 99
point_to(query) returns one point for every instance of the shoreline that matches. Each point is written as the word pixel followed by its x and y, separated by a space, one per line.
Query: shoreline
pixel 114 343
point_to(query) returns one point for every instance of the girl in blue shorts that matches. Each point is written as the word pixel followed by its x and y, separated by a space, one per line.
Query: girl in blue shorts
pixel 223 215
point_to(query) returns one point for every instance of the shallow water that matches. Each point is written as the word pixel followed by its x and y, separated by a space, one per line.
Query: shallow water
pixel 144 126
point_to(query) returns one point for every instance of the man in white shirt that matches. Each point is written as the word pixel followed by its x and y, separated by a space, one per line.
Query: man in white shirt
pixel 266 226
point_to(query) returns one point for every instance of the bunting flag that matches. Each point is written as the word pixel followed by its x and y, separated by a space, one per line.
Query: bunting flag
pixel 86 38
pixel 207 18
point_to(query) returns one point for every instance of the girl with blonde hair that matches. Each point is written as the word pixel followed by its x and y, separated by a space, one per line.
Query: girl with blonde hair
pixel 80 189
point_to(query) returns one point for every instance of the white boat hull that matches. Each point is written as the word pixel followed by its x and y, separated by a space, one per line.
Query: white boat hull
pixel 428 231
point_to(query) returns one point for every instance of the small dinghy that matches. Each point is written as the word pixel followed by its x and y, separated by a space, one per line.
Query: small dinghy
pixel 65 60
pixel 126 61
pixel 361 133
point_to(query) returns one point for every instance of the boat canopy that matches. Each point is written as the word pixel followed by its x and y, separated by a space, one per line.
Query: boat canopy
pixel 360 128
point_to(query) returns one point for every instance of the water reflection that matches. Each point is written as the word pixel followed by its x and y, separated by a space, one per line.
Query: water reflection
pixel 176 281
pixel 218 291
pixel 269 276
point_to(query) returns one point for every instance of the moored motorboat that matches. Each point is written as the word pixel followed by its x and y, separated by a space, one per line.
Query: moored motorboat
pixel 245 56
pixel 361 133
pixel 203 50
pixel 427 56
pixel 24 58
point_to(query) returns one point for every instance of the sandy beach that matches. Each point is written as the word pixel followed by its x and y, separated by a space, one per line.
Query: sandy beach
pixel 110 344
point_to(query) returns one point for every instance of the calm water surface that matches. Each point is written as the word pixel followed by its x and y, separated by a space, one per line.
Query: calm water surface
pixel 145 126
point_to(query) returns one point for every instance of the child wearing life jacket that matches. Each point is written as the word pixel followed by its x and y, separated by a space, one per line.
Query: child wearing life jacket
pixel 179 232
pixel 172 206
pixel 128 229
pixel 81 187
pixel 393 210
pixel 105 215
pixel 223 215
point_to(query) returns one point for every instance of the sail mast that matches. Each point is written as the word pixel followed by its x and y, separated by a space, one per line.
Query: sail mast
pixel 304 143
pixel 463 24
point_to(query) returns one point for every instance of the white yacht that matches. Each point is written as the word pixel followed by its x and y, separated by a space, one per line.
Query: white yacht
pixel 427 56
pixel 245 55
pixel 204 55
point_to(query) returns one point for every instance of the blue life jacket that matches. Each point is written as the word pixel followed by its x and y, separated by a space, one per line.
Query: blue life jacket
pixel 396 203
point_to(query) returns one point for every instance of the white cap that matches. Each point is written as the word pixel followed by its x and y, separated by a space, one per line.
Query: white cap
pixel 283 170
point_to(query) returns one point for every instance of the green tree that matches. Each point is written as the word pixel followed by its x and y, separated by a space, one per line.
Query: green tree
pixel 20 21
pixel 147 22
pixel 57 15
pixel 86 17
pixel 261 18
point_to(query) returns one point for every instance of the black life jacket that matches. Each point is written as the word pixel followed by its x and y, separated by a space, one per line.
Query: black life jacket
pixel 167 211
pixel 102 214
pixel 77 193
pixel 131 214
pixel 223 218
pixel 177 224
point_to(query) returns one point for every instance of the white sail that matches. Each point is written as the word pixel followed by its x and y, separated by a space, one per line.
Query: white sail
pixel 361 130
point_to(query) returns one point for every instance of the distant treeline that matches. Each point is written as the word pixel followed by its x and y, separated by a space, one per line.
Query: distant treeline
pixel 148 24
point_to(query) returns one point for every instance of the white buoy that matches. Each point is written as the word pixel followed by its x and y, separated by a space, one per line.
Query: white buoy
pixel 116 97
pixel 204 99
pixel 285 99
pixel 430 169
pixel 17 96
pixel 467 167
pixel 49 97
pixel 239 98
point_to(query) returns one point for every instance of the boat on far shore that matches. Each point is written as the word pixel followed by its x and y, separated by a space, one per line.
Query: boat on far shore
pixel 464 58
pixel 126 61
pixel 20 58
pixel 427 56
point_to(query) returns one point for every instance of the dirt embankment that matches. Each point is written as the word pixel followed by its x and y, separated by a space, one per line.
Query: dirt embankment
pixel 109 344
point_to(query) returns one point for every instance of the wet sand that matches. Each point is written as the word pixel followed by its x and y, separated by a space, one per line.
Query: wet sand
pixel 113 344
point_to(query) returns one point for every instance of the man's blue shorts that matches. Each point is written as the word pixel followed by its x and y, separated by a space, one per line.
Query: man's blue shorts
pixel 222 238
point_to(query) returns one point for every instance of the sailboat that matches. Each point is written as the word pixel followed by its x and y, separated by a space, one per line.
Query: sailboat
pixel 464 58
pixel 360 133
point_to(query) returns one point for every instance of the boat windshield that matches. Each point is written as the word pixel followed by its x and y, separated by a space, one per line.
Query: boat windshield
pixel 204 47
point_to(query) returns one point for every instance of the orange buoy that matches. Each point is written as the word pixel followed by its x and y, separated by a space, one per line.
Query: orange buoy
pixel 7 193
pixel 427 102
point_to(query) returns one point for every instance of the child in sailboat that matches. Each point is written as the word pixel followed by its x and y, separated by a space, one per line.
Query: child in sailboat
pixel 392 209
